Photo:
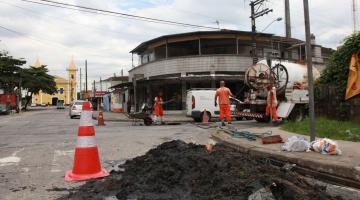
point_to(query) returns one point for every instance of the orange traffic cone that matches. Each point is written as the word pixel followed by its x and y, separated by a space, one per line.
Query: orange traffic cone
pixel 205 117
pixel 101 119
pixel 86 159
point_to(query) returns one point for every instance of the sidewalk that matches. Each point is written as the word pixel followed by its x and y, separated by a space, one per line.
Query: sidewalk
pixel 346 165
pixel 121 117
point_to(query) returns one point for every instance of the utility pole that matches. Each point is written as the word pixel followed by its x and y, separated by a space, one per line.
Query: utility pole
pixel 101 92
pixel 80 85
pixel 19 93
pixel 86 77
pixel 354 15
pixel 287 19
pixel 94 89
pixel 100 84
pixel 255 6
pixel 309 71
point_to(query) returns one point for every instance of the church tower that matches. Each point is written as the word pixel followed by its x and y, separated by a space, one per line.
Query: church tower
pixel 72 93
pixel 37 63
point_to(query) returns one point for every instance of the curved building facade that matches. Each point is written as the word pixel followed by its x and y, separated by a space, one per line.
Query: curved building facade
pixel 172 64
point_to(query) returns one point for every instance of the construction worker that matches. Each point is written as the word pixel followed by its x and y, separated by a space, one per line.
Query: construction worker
pixel 271 99
pixel 158 109
pixel 224 94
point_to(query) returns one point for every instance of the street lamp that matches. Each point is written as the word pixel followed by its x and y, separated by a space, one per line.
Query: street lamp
pixel 255 36
pixel 275 20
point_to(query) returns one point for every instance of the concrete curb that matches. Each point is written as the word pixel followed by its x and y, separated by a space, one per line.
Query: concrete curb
pixel 113 120
pixel 339 170
pixel 95 117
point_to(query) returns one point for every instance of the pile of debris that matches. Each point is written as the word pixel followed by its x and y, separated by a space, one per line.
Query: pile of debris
pixel 177 170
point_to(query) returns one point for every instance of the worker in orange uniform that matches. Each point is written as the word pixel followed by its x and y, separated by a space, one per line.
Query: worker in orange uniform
pixel 158 109
pixel 224 94
pixel 271 99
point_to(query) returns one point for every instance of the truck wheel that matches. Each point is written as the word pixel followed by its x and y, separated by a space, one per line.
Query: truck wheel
pixel 239 118
pixel 297 114
pixel 197 119
pixel 202 114
pixel 148 121
pixel 263 120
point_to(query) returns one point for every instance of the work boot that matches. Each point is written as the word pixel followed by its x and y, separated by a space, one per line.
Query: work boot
pixel 222 123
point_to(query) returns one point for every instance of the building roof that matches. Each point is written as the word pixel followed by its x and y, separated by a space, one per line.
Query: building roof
pixel 60 79
pixel 145 44
pixel 121 85
pixel 117 78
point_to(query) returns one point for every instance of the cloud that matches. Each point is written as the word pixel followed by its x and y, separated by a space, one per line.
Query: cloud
pixel 55 35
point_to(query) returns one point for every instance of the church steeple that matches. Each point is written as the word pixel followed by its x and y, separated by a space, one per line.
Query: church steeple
pixel 72 80
pixel 72 65
pixel 37 63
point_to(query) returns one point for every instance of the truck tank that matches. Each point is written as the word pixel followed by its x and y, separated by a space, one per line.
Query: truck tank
pixel 283 75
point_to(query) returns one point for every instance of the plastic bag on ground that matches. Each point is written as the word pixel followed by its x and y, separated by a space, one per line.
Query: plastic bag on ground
pixel 262 194
pixel 296 143
pixel 326 146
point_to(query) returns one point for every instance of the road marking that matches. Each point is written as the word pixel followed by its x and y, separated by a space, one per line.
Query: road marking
pixel 11 160
pixel 57 154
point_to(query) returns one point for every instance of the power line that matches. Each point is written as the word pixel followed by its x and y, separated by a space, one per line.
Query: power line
pixel 61 19
pixel 115 14
pixel 44 41
pixel 29 37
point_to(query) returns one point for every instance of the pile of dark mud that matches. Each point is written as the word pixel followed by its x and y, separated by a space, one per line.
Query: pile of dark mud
pixel 176 170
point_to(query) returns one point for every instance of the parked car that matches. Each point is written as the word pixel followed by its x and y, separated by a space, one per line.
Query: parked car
pixel 60 104
pixel 198 100
pixel 76 108
pixel 3 109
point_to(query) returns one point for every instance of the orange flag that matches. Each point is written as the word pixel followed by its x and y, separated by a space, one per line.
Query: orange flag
pixel 353 83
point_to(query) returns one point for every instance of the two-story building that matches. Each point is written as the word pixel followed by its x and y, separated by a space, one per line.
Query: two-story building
pixel 175 63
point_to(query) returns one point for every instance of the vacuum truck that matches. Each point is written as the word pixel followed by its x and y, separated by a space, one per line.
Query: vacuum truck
pixel 290 82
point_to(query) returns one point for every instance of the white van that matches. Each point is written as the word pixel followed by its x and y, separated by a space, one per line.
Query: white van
pixel 198 100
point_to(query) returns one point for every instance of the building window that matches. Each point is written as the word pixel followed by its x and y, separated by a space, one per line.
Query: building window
pixel 61 91
pixel 72 76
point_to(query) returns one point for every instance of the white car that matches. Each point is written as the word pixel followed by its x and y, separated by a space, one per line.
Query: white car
pixel 198 100
pixel 76 108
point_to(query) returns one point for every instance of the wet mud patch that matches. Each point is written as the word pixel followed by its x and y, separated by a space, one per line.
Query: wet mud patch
pixel 177 170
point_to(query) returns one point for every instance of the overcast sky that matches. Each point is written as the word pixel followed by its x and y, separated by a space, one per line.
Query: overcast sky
pixel 55 34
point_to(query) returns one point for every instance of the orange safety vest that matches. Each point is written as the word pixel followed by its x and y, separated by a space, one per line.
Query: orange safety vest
pixel 223 93
pixel 158 106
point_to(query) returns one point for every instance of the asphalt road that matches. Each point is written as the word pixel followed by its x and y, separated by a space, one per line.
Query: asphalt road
pixel 37 147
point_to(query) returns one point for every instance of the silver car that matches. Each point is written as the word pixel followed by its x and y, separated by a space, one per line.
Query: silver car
pixel 75 108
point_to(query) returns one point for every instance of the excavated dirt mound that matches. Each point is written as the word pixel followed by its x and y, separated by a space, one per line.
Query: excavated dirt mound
pixel 176 170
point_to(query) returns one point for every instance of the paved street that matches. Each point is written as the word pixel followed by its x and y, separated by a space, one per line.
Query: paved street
pixel 36 148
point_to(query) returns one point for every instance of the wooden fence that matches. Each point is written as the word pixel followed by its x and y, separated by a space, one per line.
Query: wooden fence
pixel 327 105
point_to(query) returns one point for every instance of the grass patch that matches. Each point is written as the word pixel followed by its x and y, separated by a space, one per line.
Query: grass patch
pixel 333 129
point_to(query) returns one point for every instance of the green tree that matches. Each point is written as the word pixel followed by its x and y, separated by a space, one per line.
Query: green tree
pixel 36 79
pixel 336 74
pixel 337 68
pixel 10 71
